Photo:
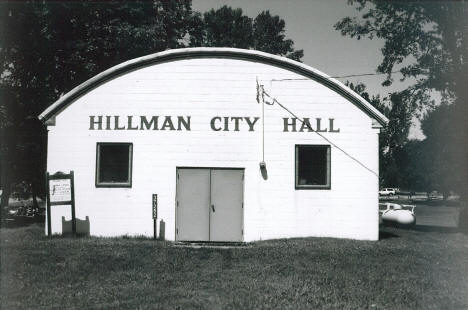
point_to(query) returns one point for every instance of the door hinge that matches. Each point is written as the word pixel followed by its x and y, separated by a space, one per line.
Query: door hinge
pixel 177 202
pixel 242 231
pixel 177 231
pixel 242 205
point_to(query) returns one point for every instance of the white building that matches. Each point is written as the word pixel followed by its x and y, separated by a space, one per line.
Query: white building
pixel 186 125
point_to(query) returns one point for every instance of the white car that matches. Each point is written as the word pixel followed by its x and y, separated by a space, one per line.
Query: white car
pixel 387 192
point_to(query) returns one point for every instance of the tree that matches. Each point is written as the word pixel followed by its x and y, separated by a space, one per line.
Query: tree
pixel 393 138
pixel 228 27
pixel 446 145
pixel 269 36
pixel 225 27
pixel 425 40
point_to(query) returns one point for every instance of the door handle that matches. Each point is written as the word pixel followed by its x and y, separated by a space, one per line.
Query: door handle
pixel 213 208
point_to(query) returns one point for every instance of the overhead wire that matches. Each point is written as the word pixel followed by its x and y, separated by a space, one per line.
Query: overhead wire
pixel 302 121
pixel 337 76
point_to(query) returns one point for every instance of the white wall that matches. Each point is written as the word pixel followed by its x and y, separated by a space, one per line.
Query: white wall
pixel 204 88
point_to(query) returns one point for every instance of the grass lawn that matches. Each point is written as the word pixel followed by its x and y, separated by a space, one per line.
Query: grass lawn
pixel 407 269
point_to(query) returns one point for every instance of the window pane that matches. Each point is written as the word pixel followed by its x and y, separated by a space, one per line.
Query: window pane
pixel 312 165
pixel 114 163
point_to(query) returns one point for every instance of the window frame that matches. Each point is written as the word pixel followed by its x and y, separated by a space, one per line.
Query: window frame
pixel 326 186
pixel 127 184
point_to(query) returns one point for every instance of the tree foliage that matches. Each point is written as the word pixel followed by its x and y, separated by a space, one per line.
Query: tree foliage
pixel 269 36
pixel 426 41
pixel 393 139
pixel 228 27
pixel 446 145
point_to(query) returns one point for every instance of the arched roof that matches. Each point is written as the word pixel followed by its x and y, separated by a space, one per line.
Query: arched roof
pixel 219 52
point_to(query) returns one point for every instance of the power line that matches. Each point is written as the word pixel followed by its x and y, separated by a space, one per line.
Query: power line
pixel 323 137
pixel 336 77
pixel 362 74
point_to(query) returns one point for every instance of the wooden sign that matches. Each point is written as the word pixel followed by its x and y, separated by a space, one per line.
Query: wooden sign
pixel 60 191
pixel 155 206
pixel 155 213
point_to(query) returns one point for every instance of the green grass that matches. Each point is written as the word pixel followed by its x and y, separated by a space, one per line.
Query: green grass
pixel 407 270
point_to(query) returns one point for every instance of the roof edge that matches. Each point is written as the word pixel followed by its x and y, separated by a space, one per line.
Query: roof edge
pixel 199 52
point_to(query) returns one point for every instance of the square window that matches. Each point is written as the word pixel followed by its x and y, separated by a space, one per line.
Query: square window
pixel 114 165
pixel 313 167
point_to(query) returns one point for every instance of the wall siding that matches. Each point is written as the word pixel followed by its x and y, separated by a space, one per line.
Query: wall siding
pixel 202 89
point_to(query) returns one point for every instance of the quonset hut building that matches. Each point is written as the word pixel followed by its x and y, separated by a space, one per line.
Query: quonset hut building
pixel 238 145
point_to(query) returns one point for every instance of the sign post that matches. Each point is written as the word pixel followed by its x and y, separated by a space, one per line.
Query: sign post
pixel 60 191
pixel 155 213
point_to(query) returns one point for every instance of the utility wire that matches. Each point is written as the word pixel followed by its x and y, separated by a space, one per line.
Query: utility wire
pixel 260 89
pixel 325 138
pixel 337 76
pixel 362 74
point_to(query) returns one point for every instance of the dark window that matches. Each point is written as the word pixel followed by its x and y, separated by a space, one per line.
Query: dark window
pixel 114 165
pixel 312 166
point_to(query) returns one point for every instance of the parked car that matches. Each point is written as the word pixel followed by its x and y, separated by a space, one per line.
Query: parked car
pixel 387 191
pixel 24 214
pixel 435 195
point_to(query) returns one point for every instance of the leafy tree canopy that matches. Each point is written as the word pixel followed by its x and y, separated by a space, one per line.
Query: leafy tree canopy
pixel 446 146
pixel 393 139
pixel 49 47
pixel 230 28
pixel 425 40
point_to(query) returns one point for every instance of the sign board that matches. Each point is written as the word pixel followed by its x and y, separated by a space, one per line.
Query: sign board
pixel 155 206
pixel 60 190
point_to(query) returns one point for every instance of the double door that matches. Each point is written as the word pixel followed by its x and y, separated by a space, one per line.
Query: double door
pixel 209 204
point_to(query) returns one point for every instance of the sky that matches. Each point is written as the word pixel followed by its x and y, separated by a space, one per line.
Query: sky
pixel 309 23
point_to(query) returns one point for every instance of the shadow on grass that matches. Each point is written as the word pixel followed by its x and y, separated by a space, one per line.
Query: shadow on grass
pixel 421 228
pixel 387 235
pixel 21 222
pixel 439 229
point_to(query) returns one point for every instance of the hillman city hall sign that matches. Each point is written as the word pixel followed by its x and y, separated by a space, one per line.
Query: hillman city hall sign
pixel 217 123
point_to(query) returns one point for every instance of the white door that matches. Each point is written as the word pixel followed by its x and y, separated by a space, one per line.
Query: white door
pixel 226 204
pixel 193 197
pixel 209 204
